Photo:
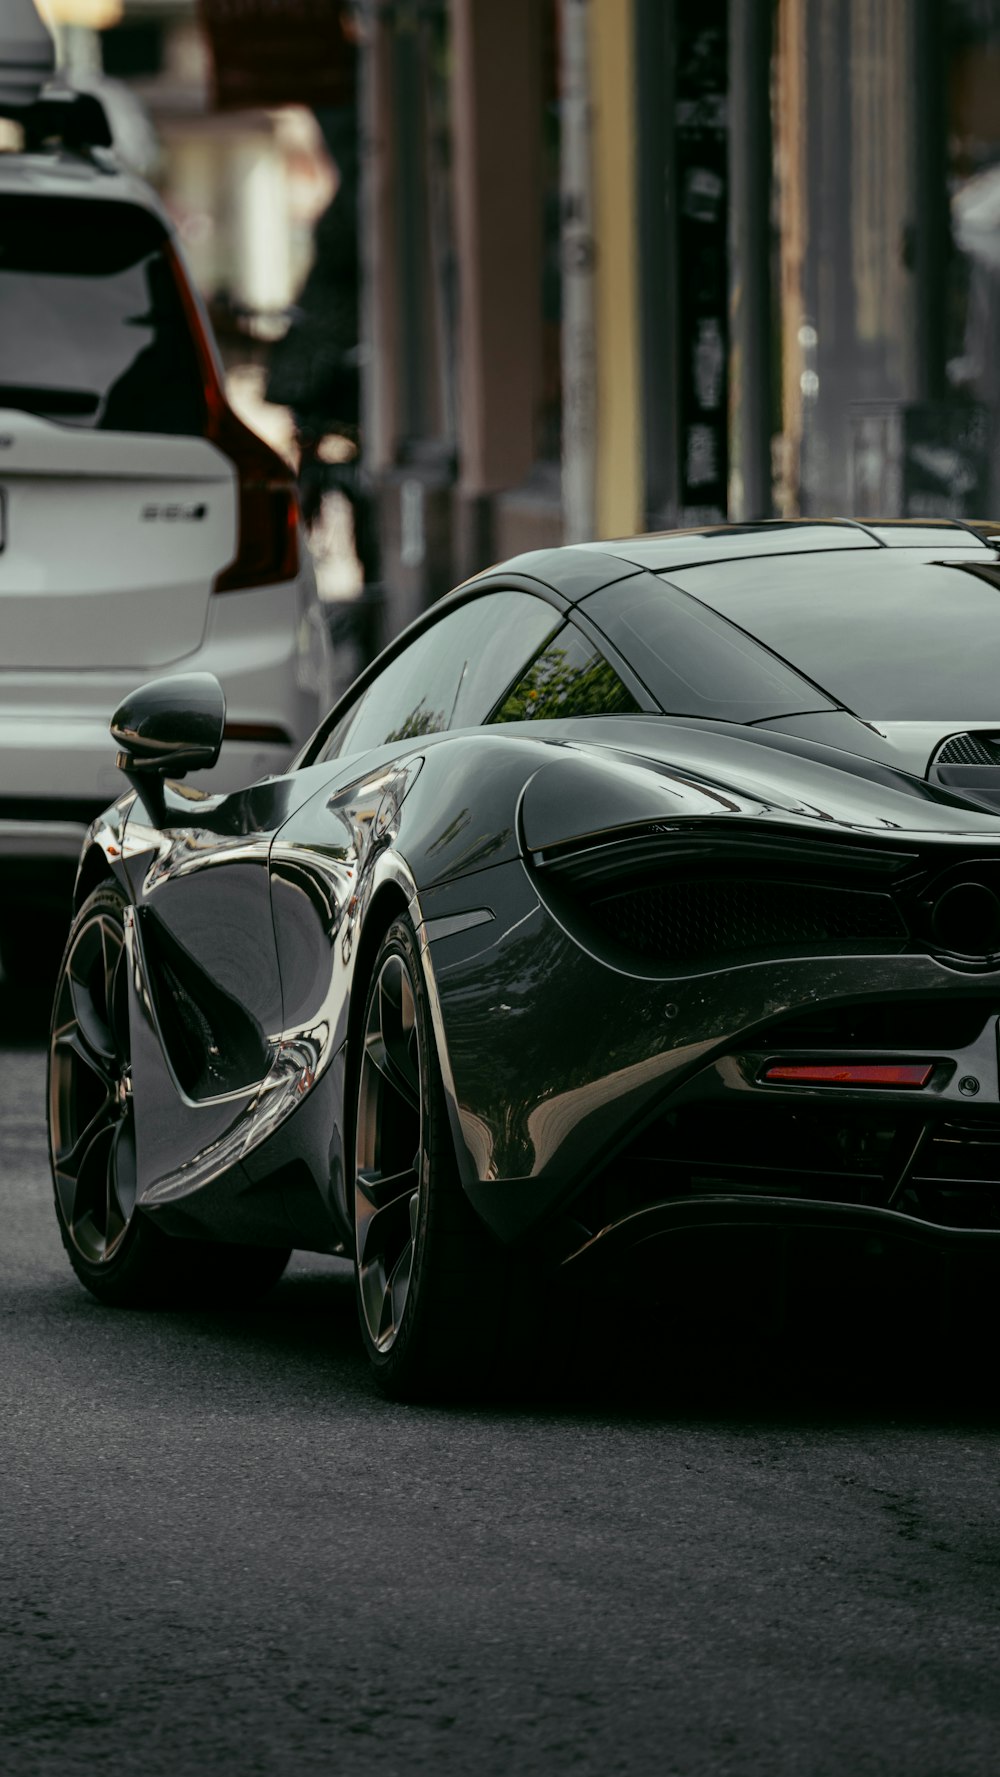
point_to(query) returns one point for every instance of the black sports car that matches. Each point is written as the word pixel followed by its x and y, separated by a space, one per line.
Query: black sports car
pixel 638 888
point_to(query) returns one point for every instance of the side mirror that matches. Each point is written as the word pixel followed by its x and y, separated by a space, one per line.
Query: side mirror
pixel 166 728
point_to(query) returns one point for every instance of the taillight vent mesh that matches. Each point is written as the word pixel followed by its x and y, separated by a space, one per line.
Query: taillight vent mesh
pixel 703 919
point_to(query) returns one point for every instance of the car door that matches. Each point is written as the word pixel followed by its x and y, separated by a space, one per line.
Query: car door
pixel 206 1013
pixel 455 670
pixel 451 674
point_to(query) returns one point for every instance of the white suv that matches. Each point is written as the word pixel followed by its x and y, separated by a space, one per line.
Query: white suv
pixel 143 527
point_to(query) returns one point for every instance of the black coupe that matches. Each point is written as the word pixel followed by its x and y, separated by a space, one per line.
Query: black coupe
pixel 637 889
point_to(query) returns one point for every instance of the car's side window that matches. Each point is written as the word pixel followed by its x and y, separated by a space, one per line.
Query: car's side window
pixel 510 628
pixel 569 676
pixel 450 676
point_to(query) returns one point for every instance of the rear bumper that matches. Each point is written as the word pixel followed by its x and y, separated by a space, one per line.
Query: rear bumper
pixel 267 647
pixel 617 1243
pixel 580 1093
pixel 42 842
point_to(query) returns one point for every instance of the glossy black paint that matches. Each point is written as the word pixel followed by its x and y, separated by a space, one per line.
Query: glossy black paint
pixel 172 724
pixel 255 919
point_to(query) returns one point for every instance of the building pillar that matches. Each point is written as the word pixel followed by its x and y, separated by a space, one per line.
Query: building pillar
pixel 408 453
pixel 931 221
pixel 379 379
pixel 578 345
pixel 857 323
pixel 750 259
pixel 619 469
pixel 655 51
pixel 701 239
pixel 496 125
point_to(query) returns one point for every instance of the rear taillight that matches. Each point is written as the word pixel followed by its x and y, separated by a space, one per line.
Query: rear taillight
pixel 267 536
pixel 268 520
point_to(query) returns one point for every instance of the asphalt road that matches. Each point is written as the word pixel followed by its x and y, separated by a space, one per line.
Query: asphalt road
pixel 220 1552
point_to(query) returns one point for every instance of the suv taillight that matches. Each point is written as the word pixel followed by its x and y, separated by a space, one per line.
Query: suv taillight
pixel 267 537
pixel 268 519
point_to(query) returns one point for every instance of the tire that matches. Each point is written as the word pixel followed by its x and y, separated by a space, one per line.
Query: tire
pixel 115 1250
pixel 31 943
pixel 433 1286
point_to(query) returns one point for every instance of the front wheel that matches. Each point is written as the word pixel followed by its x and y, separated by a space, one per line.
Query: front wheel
pixel 433 1286
pixel 115 1250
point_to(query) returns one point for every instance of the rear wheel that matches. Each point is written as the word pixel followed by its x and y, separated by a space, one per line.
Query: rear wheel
pixel 31 943
pixel 432 1285
pixel 114 1249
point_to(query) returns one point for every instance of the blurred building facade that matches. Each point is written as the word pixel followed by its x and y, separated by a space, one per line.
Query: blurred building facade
pixel 244 183
pixel 621 264
pixel 640 263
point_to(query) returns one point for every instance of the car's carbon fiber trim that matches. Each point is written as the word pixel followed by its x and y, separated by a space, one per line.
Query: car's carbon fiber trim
pixel 968 749
pixel 710 917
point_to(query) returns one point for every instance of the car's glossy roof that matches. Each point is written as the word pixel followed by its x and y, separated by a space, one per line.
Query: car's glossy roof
pixel 578 569
pixel 572 572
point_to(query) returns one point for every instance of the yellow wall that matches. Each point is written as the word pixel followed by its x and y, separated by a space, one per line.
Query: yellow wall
pixel 97 14
pixel 615 181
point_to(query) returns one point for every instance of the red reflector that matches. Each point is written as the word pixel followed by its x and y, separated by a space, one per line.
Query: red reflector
pixel 850 1073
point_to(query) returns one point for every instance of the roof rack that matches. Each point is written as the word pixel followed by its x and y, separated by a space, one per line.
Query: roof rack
pixel 72 119
pixel 48 109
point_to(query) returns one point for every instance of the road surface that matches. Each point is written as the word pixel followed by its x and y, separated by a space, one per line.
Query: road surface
pixel 221 1553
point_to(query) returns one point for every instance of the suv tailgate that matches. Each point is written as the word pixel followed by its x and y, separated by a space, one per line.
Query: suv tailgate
pixel 110 542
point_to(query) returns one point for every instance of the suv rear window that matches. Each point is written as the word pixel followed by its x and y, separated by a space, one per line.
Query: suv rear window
pixel 94 332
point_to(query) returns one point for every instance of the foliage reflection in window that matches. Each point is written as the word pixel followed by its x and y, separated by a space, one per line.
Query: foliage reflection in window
pixel 568 678
pixel 420 720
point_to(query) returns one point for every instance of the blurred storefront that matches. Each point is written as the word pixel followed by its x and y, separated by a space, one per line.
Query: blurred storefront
pixel 592 265
pixel 640 263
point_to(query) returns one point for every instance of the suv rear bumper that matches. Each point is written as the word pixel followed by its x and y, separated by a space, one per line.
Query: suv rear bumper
pixel 43 841
pixel 268 648
pixel 46 761
pixel 41 836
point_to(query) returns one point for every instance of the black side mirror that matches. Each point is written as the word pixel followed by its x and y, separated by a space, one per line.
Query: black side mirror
pixel 166 728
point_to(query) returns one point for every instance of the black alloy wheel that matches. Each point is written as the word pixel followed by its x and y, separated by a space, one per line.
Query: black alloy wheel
pixel 432 1284
pixel 91 1117
pixel 115 1250
pixel 389 1177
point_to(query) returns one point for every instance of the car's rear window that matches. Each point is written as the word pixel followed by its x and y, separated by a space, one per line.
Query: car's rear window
pixel 693 662
pixel 92 329
pixel 892 637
